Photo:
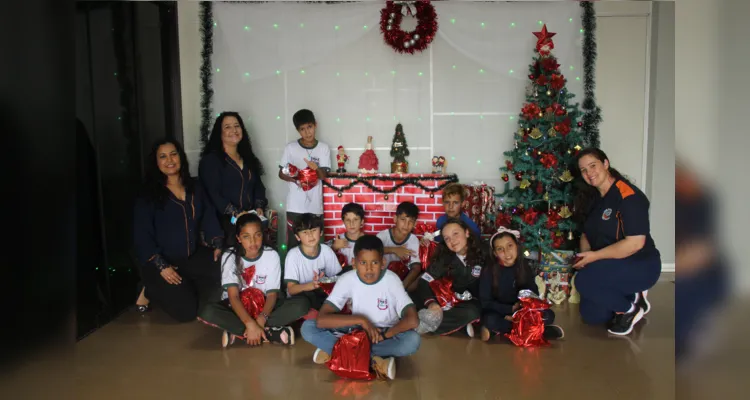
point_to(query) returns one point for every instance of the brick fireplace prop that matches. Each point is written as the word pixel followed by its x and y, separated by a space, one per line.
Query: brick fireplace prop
pixel 380 208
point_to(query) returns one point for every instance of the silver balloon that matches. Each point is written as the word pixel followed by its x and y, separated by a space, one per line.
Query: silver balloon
pixel 416 36
pixel 411 42
pixel 407 45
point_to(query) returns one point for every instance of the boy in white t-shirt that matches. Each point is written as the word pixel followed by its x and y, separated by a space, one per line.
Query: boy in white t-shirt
pixel 303 153
pixel 380 306
pixel 401 245
pixel 353 216
pixel 305 265
pixel 237 266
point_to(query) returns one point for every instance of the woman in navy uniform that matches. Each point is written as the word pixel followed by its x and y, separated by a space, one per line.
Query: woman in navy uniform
pixel 177 267
pixel 231 173
pixel 618 262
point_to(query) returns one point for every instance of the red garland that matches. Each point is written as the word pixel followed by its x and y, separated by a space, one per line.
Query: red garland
pixel 530 111
pixel 400 40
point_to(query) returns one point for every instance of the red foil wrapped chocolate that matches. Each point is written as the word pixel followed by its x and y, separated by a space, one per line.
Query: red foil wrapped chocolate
pixel 308 178
pixel 351 357
pixel 528 325
pixel 399 268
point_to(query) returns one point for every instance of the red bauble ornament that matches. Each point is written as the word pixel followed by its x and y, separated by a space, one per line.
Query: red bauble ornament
pixel 557 82
pixel 509 164
pixel 532 77
pixel 544 42
pixel 580 123
pixel 416 40
pixel 519 176
pixel 505 177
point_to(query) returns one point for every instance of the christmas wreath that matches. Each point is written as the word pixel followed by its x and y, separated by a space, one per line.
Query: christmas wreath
pixel 416 40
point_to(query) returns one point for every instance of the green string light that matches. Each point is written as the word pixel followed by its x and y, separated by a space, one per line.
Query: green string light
pixel 512 24
pixel 247 28
pixel 482 24
pixel 302 72
pixel 302 25
pixel 278 72
pixel 247 74
pixel 453 20
pixel 276 26
pixel 336 27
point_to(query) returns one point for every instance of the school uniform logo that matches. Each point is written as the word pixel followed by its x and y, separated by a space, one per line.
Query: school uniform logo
pixel 607 214
pixel 316 160
pixel 382 304
pixel 260 279
pixel 322 270
pixel 476 271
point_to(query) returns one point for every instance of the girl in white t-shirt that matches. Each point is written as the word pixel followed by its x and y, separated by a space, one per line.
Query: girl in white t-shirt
pixel 380 306
pixel 237 263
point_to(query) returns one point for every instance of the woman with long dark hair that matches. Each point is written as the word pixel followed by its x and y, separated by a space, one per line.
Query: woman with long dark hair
pixel 461 258
pixel 619 261
pixel 231 173
pixel 500 283
pixel 177 267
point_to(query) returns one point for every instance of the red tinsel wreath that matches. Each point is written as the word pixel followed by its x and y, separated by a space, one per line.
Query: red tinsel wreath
pixel 408 42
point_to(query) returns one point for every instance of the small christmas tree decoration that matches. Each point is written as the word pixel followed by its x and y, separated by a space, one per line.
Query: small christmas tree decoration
pixel 399 151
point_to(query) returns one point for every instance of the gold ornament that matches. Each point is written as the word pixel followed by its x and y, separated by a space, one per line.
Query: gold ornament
pixel 551 132
pixel 521 132
pixel 570 152
pixel 535 133
pixel 570 235
pixel 546 196
pixel 541 114
pixel 565 212
pixel 578 147
pixel 558 233
pixel 525 184
pixel 566 176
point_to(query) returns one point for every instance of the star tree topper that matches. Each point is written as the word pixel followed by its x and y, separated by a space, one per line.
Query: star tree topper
pixel 544 42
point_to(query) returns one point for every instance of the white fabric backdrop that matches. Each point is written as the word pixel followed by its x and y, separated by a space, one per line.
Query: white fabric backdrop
pixel 458 98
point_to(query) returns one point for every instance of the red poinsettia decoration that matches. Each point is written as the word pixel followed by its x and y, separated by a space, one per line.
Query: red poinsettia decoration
pixel 563 128
pixel 542 80
pixel 503 219
pixel 557 241
pixel 548 160
pixel 530 110
pixel 530 216
pixel 550 64
pixel 556 108
pixel 552 219
pixel 557 81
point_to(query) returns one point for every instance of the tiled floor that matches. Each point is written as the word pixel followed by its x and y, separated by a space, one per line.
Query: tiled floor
pixel 150 358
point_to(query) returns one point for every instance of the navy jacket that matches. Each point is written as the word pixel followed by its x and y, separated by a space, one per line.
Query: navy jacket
pixel 230 188
pixel 507 288
pixel 623 211
pixel 171 232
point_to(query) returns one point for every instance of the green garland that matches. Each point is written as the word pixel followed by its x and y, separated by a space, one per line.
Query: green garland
pixel 592 115
pixel 365 181
pixel 207 92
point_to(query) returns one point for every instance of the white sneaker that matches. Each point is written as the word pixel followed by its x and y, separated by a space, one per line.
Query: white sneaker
pixel 470 330
pixel 385 366
pixel 227 339
pixel 320 356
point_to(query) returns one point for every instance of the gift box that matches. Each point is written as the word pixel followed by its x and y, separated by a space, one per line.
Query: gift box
pixel 479 205
pixel 555 271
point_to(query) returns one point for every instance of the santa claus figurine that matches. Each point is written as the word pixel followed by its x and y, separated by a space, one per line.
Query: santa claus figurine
pixel 341 159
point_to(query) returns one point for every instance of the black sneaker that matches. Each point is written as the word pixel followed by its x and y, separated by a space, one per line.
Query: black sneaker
pixel 642 300
pixel 624 323
pixel 553 332
pixel 284 335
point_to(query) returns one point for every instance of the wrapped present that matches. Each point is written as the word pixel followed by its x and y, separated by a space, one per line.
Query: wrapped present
pixel 443 290
pixel 479 205
pixel 307 178
pixel 528 324
pixel 399 268
pixel 350 357
pixel 555 271
pixel 426 252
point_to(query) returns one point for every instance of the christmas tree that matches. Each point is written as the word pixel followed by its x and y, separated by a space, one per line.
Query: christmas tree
pixel 543 159
pixel 399 151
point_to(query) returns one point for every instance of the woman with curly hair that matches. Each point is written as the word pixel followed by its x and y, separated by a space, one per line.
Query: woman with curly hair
pixel 231 173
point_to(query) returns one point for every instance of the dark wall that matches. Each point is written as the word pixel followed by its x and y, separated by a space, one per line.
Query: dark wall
pixel 127 96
